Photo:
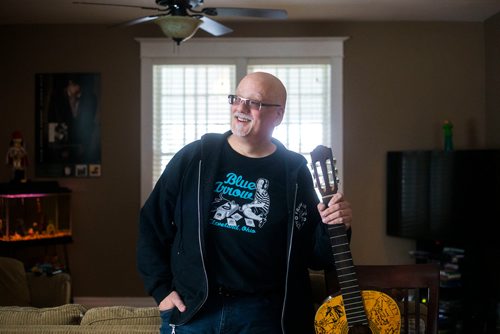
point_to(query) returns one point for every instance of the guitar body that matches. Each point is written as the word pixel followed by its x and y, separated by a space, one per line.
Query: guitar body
pixel 382 312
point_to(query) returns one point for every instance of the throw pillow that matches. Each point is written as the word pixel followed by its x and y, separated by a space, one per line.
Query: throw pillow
pixel 69 314
pixel 122 315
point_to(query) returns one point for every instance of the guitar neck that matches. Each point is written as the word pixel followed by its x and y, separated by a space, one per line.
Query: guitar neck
pixel 346 275
pixel 323 165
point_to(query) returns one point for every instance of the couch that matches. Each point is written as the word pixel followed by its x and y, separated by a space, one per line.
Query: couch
pixel 31 303
pixel 76 318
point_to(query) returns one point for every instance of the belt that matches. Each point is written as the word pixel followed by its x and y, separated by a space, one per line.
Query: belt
pixel 225 292
pixel 220 290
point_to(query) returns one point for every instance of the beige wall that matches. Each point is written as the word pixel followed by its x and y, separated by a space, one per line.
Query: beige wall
pixel 401 80
pixel 492 38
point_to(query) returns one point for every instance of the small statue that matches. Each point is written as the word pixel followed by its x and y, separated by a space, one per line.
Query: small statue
pixel 17 157
pixel 448 136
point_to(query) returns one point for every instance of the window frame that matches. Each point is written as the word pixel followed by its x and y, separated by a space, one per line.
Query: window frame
pixel 156 51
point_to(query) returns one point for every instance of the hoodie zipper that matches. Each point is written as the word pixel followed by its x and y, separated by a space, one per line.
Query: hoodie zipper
pixel 199 234
pixel 201 248
pixel 288 265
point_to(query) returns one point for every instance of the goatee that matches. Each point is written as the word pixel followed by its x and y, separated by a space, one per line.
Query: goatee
pixel 240 130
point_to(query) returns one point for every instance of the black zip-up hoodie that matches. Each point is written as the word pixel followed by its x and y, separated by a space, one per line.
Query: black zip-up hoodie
pixel 171 253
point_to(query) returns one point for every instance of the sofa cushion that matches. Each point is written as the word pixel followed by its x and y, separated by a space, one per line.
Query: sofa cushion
pixel 69 314
pixel 122 315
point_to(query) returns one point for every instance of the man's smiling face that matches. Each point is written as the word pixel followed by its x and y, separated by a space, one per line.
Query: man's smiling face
pixel 251 122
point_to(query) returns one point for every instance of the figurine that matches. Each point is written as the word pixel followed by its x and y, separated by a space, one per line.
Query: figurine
pixel 17 157
pixel 448 136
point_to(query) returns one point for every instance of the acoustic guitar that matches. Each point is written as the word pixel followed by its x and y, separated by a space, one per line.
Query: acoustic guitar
pixel 353 310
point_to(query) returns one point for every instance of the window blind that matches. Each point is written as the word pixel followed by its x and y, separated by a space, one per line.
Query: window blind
pixel 188 101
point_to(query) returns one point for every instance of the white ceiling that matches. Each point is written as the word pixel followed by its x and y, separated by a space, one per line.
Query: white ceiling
pixel 64 11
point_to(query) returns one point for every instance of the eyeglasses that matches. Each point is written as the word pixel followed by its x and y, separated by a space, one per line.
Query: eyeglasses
pixel 252 104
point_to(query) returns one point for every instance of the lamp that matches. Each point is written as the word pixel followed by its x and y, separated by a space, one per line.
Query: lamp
pixel 179 28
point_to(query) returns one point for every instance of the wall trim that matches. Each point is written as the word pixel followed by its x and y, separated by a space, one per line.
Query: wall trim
pixel 208 47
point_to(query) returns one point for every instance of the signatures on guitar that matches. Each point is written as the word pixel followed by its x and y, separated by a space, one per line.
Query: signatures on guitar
pixel 382 311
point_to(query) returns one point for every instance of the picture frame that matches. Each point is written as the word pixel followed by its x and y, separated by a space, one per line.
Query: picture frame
pixel 68 127
pixel 81 170
pixel 94 170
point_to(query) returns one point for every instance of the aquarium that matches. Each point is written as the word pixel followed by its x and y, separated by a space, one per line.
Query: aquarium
pixel 34 211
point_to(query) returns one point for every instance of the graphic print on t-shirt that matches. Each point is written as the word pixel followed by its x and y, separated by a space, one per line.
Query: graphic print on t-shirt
pixel 241 204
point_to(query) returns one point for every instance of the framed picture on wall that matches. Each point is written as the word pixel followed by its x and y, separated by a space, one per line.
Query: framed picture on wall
pixel 68 126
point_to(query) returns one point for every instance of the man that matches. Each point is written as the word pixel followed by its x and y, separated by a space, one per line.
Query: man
pixel 204 252
pixel 73 121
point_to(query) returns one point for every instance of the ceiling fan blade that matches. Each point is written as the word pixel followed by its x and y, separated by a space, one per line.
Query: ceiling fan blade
pixel 213 27
pixel 113 4
pixel 137 21
pixel 252 12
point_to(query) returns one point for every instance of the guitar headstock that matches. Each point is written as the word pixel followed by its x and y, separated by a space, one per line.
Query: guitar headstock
pixel 323 165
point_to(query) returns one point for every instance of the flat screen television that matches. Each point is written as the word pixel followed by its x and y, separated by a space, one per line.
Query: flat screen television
pixel 443 196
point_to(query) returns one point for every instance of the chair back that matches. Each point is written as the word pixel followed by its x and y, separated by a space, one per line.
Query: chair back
pixel 13 283
pixel 415 288
pixel 18 288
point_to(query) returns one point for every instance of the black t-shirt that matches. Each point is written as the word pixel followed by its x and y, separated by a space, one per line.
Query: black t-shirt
pixel 247 226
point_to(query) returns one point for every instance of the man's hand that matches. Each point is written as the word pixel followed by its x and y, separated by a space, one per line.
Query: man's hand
pixel 171 301
pixel 338 211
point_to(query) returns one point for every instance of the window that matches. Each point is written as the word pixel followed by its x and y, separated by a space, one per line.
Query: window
pixel 185 96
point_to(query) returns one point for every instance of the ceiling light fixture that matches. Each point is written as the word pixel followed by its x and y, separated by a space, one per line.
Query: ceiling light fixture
pixel 179 28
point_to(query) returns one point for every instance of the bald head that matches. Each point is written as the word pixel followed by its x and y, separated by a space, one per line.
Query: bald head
pixel 264 87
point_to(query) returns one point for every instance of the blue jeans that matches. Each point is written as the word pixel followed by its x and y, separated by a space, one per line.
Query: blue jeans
pixel 231 315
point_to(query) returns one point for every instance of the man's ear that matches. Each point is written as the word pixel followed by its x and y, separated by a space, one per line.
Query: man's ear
pixel 280 112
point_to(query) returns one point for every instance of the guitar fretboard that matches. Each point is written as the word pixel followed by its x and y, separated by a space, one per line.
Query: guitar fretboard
pixel 346 275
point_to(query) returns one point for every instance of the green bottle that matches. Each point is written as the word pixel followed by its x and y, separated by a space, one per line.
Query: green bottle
pixel 448 136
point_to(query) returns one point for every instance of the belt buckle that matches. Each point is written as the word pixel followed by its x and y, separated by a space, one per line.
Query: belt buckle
pixel 222 291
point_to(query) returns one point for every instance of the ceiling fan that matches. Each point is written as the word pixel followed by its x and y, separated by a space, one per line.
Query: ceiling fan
pixel 180 19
